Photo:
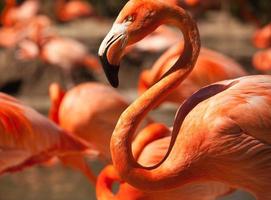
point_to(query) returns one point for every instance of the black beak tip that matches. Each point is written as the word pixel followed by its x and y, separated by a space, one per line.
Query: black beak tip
pixel 111 72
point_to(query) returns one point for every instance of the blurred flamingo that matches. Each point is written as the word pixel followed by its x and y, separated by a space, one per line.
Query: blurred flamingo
pixel 262 37
pixel 149 149
pixel 32 29
pixel 28 138
pixel 262 60
pixel 159 40
pixel 210 67
pixel 221 133
pixel 93 112
pixel 65 53
pixel 70 10
pixel 14 13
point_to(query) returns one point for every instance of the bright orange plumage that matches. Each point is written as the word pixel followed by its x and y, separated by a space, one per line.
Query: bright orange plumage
pixel 221 133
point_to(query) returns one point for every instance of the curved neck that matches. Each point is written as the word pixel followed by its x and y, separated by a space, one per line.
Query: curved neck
pixel 129 169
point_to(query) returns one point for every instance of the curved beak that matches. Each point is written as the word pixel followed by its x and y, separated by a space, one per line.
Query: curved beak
pixel 111 51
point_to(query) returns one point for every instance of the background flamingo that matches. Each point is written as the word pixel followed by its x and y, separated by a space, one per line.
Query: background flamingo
pixel 210 67
pixel 38 26
pixel 28 138
pixel 93 112
pixel 14 13
pixel 262 60
pixel 211 141
pixel 70 10
pixel 262 39
pixel 149 149
pixel 53 50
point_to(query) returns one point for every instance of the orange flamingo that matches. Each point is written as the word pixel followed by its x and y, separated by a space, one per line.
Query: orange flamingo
pixel 93 112
pixel 28 138
pixel 221 133
pixel 14 13
pixel 210 67
pixel 149 149
pixel 70 10
pixel 262 37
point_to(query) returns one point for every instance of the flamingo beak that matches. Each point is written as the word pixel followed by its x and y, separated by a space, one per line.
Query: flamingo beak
pixel 111 51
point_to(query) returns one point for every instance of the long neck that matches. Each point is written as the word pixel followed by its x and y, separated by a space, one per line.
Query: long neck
pixel 158 176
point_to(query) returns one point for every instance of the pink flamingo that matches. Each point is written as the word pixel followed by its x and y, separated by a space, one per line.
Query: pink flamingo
pixel 221 133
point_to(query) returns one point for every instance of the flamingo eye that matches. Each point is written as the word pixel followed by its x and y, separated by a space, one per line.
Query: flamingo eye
pixel 130 18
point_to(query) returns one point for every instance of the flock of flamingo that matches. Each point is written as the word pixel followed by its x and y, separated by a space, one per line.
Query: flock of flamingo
pixel 218 142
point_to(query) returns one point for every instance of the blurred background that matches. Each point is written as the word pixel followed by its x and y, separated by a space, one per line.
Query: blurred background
pixel 226 26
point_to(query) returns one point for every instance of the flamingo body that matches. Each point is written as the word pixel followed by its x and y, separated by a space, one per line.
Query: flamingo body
pixel 210 67
pixel 94 110
pixel 68 11
pixel 27 138
pixel 150 155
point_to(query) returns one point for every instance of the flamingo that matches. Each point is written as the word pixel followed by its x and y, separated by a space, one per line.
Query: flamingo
pixel 262 37
pixel 14 13
pixel 210 67
pixel 93 112
pixel 28 138
pixel 221 133
pixel 161 39
pixel 63 52
pixel 149 149
pixel 70 10
pixel 262 60
pixel 36 27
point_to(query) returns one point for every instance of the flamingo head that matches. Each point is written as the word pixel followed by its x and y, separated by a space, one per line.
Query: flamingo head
pixel 136 20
